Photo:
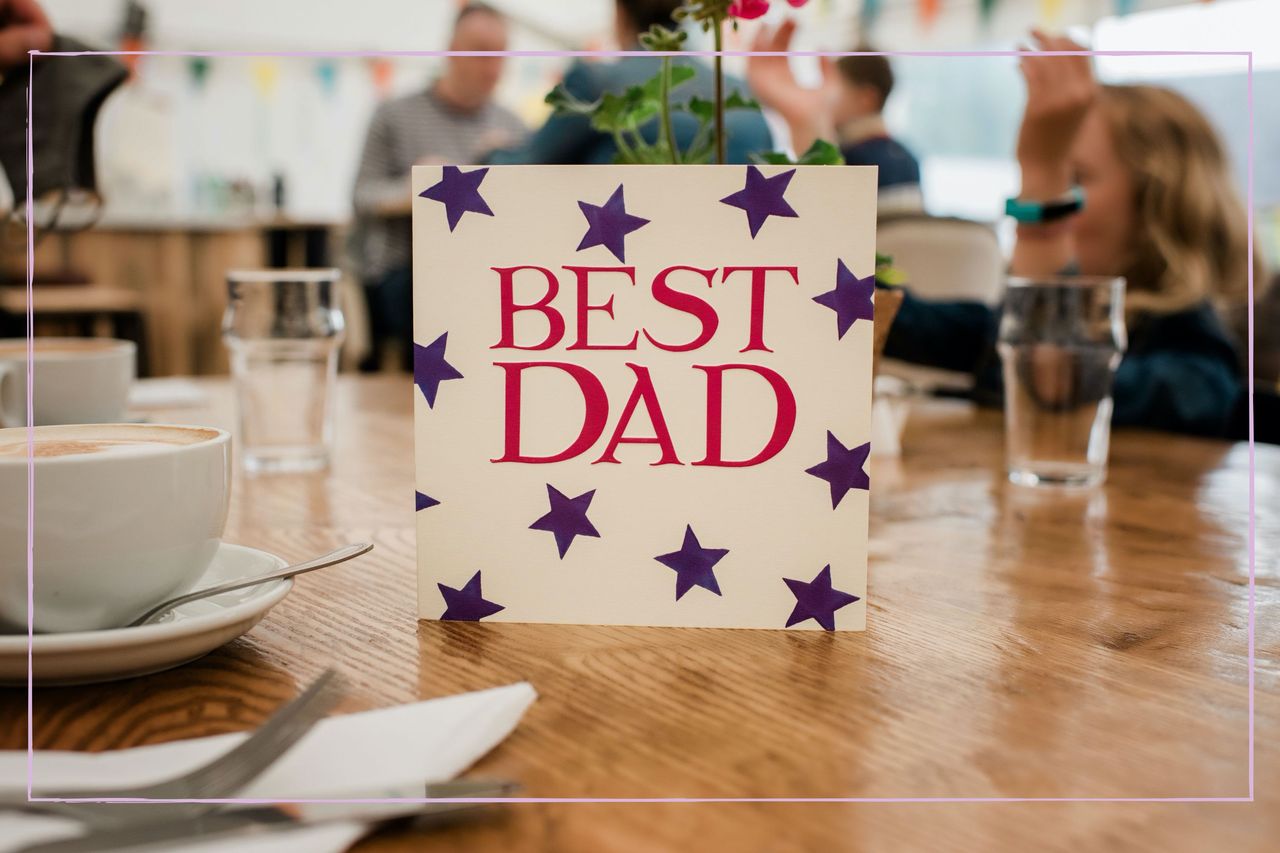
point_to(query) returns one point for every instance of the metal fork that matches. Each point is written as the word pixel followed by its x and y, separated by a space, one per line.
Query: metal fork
pixel 249 822
pixel 220 778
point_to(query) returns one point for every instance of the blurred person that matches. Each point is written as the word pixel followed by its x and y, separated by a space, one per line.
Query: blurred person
pixel 1159 208
pixel 23 27
pixel 1267 330
pixel 63 174
pixel 865 83
pixel 848 108
pixel 454 120
pixel 571 139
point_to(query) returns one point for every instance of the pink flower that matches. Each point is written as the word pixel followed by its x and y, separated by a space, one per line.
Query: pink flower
pixel 750 9
pixel 796 4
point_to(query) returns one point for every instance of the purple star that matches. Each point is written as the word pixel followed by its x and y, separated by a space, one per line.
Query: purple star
pixel 762 197
pixel 425 502
pixel 851 299
pixel 567 519
pixel 817 600
pixel 609 225
pixel 693 564
pixel 430 368
pixel 466 604
pixel 843 468
pixel 460 193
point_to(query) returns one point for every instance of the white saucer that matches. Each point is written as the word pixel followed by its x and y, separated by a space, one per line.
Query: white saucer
pixel 186 633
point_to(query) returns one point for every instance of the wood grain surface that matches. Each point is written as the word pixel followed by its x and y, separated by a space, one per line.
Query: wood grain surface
pixel 1020 644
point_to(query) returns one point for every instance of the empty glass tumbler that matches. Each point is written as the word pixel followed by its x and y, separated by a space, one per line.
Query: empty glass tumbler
pixel 1060 342
pixel 283 329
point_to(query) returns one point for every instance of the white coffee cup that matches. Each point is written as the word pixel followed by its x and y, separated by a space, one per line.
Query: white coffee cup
pixel 126 515
pixel 77 380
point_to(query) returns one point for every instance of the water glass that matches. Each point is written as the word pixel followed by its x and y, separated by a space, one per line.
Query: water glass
pixel 283 329
pixel 1060 342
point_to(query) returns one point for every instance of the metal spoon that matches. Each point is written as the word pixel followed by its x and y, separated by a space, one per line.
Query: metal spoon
pixel 332 558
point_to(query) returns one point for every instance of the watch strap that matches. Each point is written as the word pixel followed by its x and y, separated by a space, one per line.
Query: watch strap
pixel 1030 211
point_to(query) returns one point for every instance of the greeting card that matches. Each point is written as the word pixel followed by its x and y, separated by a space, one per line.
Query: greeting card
pixel 643 394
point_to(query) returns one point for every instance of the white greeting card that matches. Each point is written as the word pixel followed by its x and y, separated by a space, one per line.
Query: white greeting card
pixel 643 394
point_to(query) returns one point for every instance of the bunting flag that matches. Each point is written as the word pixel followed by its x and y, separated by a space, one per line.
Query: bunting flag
pixel 928 10
pixel 382 72
pixel 198 67
pixel 130 58
pixel 327 74
pixel 133 35
pixel 266 74
pixel 871 10
pixel 1050 12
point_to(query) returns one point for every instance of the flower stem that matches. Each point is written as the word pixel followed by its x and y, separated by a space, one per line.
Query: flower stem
pixel 667 130
pixel 628 152
pixel 718 29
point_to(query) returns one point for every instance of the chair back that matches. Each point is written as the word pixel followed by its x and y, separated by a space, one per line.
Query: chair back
pixel 944 257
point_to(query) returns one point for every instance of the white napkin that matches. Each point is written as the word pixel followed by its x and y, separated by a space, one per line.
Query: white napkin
pixel 166 394
pixel 355 755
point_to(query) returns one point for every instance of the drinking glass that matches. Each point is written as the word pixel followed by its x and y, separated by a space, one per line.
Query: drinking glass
pixel 283 329
pixel 1061 339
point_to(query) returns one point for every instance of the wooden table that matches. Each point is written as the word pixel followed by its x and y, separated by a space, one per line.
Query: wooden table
pixel 1020 645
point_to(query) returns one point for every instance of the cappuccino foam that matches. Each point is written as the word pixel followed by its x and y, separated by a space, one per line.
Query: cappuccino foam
pixel 97 439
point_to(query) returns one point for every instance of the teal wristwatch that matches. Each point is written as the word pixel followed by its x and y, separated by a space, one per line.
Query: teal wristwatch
pixel 1024 210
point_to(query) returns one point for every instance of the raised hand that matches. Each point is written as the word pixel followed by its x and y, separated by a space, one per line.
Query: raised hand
pixel 1060 92
pixel 807 111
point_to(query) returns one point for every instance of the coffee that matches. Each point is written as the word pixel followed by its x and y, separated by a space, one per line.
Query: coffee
pixel 123 516
pixel 106 438
pixel 76 380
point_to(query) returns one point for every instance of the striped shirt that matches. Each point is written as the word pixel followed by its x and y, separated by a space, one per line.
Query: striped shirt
pixel 405 131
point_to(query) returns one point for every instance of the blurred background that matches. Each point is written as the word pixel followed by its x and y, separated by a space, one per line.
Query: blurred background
pixel 208 162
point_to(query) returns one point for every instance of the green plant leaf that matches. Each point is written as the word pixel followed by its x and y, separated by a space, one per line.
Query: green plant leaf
pixel 681 73
pixel 562 102
pixel 890 277
pixel 652 87
pixel 703 144
pixel 626 111
pixel 771 158
pixel 886 273
pixel 737 101
pixel 639 105
pixel 703 109
pixel 610 113
pixel 821 153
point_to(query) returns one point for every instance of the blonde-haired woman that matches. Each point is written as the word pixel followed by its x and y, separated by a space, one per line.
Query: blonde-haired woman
pixel 1159 208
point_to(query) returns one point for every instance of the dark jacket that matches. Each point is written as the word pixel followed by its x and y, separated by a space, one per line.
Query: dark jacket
pixel 1179 374
pixel 571 139
pixel 898 166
